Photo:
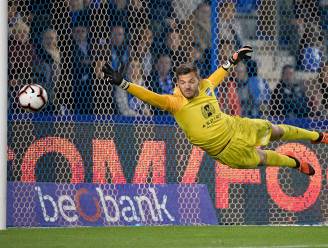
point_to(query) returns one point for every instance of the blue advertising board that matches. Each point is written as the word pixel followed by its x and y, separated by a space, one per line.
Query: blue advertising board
pixel 88 204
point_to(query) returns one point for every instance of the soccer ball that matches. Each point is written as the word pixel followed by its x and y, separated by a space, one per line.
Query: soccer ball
pixel 32 97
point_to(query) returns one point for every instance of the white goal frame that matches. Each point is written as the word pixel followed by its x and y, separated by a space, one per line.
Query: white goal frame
pixel 3 112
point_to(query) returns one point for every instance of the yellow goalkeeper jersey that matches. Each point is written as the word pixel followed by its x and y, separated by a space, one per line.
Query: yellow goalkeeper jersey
pixel 205 125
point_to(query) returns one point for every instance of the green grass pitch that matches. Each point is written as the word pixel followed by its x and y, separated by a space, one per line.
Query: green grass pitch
pixel 168 237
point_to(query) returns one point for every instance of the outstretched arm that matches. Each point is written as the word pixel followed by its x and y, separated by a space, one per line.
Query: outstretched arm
pixel 218 76
pixel 165 102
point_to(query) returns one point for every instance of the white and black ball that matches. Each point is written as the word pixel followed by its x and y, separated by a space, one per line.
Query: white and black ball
pixel 32 97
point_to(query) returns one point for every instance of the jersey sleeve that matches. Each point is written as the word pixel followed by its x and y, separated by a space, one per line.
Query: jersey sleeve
pixel 169 103
pixel 218 76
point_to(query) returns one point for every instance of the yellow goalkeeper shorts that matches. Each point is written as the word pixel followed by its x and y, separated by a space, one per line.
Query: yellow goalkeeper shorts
pixel 241 151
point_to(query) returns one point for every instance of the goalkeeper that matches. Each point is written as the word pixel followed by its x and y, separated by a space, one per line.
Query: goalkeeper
pixel 232 140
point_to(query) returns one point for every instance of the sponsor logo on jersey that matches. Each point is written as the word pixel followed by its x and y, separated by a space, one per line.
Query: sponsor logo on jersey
pixel 208 110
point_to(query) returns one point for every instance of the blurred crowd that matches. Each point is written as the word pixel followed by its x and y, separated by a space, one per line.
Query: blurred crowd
pixel 62 45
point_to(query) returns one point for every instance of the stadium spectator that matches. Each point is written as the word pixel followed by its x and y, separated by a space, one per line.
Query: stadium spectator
pixel 245 106
pixel 317 92
pixel 20 54
pixel 312 49
pixel 118 13
pixel 173 44
pixel 140 34
pixel 121 99
pixel 259 88
pixel 104 102
pixel 161 16
pixel 135 74
pixel 183 9
pixel 201 60
pixel 162 80
pixel 317 109
pixel 19 10
pixel 253 91
pixel 196 54
pixel 311 44
pixel 41 21
pixel 173 47
pixel 266 25
pixel 47 67
pixel 79 10
pixel 139 20
pixel 119 49
pixel 201 25
pixel 82 71
pixel 226 90
pixel 288 33
pixel 128 105
pixel 13 15
pixel 224 47
pixel 228 97
pixel 119 53
pixel 288 99
pixel 142 48
pixel 229 26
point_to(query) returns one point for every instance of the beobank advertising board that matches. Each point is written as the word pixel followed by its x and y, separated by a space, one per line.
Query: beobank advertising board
pixel 107 181
pixel 91 204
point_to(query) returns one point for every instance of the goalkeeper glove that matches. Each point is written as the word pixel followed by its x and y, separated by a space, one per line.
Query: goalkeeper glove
pixel 237 56
pixel 115 77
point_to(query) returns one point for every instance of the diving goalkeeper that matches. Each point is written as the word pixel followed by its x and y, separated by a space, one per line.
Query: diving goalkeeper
pixel 232 140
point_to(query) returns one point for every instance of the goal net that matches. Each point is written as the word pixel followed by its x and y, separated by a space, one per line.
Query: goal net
pixel 92 133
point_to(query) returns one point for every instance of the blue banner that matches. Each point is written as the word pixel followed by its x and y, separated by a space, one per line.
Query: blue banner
pixel 86 204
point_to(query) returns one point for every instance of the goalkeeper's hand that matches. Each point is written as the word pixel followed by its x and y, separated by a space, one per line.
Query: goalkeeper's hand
pixel 115 77
pixel 237 56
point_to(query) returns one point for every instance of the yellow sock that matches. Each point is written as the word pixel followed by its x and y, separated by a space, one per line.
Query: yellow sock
pixel 276 159
pixel 295 133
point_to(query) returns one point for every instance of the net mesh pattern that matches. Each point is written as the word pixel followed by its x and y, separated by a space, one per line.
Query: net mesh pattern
pixel 93 132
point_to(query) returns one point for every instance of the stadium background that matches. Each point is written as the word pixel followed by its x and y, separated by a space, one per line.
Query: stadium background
pixel 62 46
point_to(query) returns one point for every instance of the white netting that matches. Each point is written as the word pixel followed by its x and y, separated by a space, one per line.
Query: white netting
pixel 92 132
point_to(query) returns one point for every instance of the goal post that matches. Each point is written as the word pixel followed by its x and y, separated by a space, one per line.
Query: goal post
pixel 3 115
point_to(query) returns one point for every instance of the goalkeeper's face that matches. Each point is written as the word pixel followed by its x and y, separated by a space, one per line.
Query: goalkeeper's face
pixel 189 84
